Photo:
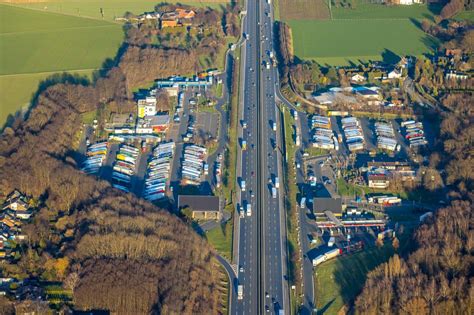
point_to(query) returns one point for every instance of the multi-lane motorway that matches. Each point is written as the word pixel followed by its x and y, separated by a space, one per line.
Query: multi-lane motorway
pixel 261 255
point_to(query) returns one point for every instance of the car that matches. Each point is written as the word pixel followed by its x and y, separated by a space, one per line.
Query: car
pixel 252 194
pixel 253 173
pixel 219 156
pixel 267 309
pixel 298 165
pixel 267 295
pixel 241 269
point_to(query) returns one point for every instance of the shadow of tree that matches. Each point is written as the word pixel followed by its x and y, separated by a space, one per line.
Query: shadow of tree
pixel 325 307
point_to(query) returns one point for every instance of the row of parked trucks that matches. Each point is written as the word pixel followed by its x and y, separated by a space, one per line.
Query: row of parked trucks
pixel 353 133
pixel 385 200
pixel 386 136
pixel 96 156
pixel 124 167
pixel 194 164
pixel 158 171
pixel 414 133
pixel 323 136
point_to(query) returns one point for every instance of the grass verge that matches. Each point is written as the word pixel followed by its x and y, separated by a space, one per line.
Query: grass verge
pixel 220 238
pixel 294 263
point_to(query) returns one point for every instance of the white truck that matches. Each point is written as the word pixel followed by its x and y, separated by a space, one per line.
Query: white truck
pixel 331 241
pixel 274 126
pixel 249 209
pixel 240 292
pixel 274 192
pixel 242 185
pixel 277 182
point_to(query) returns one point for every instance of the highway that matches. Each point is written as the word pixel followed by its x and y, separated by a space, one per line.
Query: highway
pixel 262 253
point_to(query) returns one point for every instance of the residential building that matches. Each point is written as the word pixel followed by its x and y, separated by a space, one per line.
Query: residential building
pixel 357 78
pixel 395 74
pixel 378 180
pixel 202 207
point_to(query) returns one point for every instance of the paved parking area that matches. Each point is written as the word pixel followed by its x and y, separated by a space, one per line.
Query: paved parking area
pixel 208 123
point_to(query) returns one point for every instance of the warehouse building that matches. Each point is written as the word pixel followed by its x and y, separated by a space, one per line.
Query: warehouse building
pixel 202 207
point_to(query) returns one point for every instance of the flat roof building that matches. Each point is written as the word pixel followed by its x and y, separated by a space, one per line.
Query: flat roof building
pixel 323 204
pixel 202 207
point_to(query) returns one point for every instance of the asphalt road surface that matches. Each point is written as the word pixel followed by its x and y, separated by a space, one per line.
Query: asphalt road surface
pixel 262 245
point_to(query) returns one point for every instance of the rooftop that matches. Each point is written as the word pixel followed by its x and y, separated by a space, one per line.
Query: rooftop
pixel 199 203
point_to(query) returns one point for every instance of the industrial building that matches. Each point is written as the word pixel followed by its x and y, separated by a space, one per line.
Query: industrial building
pixel 202 207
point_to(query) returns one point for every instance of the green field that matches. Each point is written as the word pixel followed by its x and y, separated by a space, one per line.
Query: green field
pixel 34 45
pixel 111 8
pixel 339 42
pixel 367 32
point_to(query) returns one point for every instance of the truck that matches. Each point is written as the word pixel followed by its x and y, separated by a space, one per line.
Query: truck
pixel 274 192
pixel 244 145
pixel 274 126
pixel 331 241
pixel 249 209
pixel 277 182
pixel 242 185
pixel 240 292
pixel 303 202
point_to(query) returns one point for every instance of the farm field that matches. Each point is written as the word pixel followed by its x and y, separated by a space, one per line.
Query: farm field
pixel 111 8
pixel 339 42
pixel 377 11
pixel 303 9
pixel 36 44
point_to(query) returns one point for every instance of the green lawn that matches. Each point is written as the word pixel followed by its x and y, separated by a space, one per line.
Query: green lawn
pixel 18 89
pixel 34 45
pixel 221 239
pixel 339 281
pixel 33 41
pixel 340 42
pixel 111 8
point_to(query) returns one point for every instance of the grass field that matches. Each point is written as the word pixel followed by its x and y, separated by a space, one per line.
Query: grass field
pixel 353 35
pixel 34 45
pixel 339 281
pixel 111 8
pixel 339 42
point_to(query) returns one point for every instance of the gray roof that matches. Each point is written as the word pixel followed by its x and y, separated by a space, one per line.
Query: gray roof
pixel 327 204
pixel 199 203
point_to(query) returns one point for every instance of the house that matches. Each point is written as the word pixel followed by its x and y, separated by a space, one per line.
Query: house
pixel 406 2
pixel 323 204
pixel 169 23
pixel 453 52
pixel 357 78
pixel 395 74
pixel 378 180
pixel 185 14
pixel 402 170
pixel 202 207
pixel 24 215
